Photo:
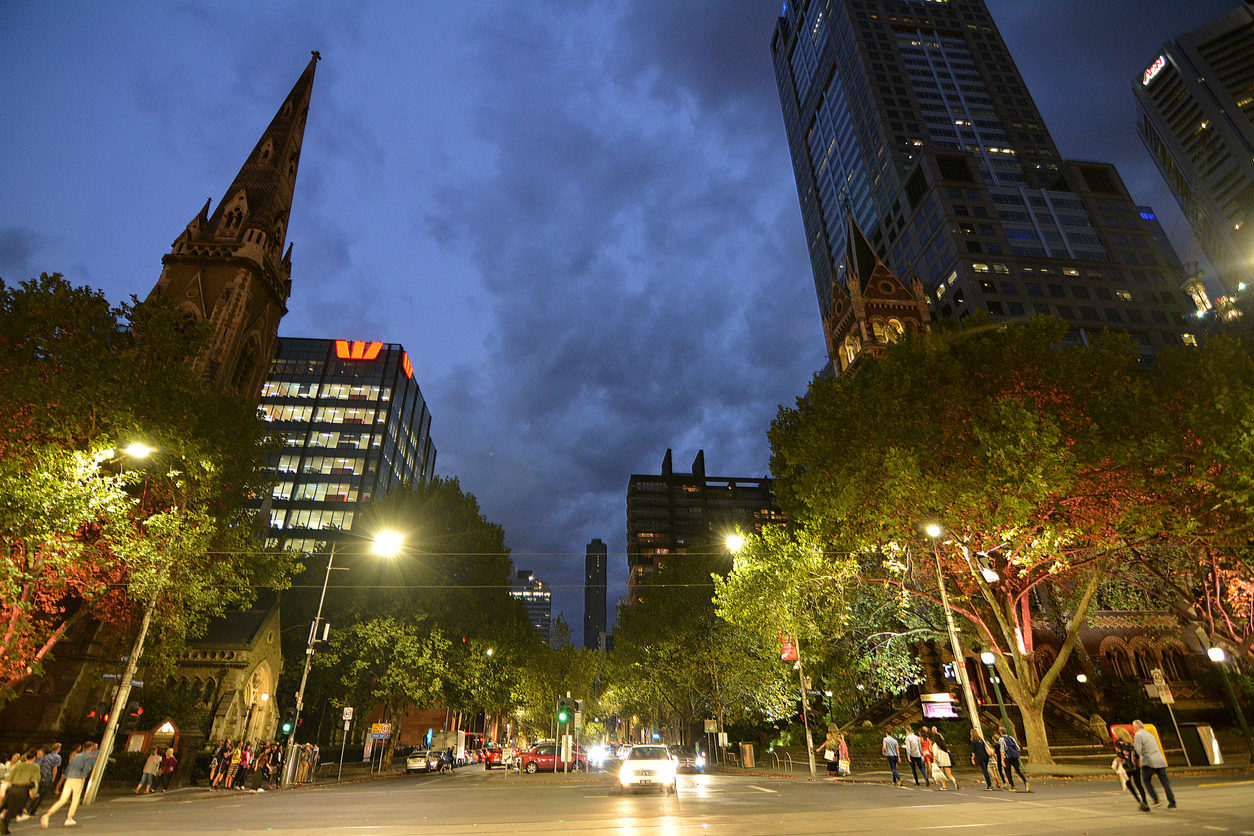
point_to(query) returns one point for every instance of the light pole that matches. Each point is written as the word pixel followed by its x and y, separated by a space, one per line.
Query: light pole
pixel 988 658
pixel 1220 658
pixel 960 667
pixel 138 451
pixel 385 544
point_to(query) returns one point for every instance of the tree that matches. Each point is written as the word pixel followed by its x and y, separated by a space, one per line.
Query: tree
pixel 79 527
pixel 1021 447
pixel 388 662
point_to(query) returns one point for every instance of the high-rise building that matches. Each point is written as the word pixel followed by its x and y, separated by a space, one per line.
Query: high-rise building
pixel 594 590
pixel 354 426
pixel 231 267
pixel 911 116
pixel 537 600
pixel 1197 119
pixel 683 513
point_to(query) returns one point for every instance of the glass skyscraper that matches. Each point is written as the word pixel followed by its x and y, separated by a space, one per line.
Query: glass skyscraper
pixel 1197 120
pixel 911 116
pixel 354 425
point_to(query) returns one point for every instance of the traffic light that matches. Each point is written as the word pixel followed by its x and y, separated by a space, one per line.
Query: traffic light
pixel 286 728
pixel 565 710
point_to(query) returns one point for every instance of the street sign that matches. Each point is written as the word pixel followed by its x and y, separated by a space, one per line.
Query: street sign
pixel 711 726
pixel 787 648
pixel 348 712
pixel 117 677
pixel 380 730
pixel 579 719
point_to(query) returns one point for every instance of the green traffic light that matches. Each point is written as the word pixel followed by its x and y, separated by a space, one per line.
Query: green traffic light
pixel 287 727
pixel 562 717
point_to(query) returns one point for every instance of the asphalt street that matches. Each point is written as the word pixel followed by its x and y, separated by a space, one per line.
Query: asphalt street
pixel 474 801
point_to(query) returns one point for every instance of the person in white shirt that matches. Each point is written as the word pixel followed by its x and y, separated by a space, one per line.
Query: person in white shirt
pixel 914 751
pixel 1152 763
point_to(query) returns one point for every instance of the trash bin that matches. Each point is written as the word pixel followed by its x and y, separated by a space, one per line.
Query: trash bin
pixel 746 756
pixel 1199 741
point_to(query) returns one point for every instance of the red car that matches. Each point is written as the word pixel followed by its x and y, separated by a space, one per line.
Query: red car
pixel 543 757
pixel 493 756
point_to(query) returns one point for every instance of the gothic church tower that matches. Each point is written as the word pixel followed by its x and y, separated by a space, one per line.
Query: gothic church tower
pixel 231 268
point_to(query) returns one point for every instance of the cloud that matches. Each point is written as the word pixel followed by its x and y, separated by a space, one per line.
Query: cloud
pixel 18 250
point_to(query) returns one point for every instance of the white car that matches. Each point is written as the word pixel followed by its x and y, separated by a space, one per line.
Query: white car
pixel 648 766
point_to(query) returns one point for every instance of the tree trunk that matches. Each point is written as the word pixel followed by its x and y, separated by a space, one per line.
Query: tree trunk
pixel 1035 737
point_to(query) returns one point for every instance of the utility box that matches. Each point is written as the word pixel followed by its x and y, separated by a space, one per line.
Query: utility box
pixel 746 756
pixel 1199 741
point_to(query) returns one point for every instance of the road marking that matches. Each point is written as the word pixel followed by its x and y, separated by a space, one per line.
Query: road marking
pixel 1228 784
pixel 1212 827
pixel 951 826
pixel 763 789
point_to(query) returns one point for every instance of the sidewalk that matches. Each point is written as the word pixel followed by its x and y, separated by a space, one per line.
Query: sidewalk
pixel 1034 772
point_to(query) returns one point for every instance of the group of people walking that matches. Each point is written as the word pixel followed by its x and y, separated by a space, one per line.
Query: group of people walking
pixel 928 754
pixel 158 770
pixel 1139 759
pixel 234 764
pixel 28 779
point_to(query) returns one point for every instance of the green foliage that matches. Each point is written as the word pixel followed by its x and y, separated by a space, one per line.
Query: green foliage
pixel 79 377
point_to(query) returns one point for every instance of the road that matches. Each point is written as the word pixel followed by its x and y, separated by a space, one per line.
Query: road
pixel 474 801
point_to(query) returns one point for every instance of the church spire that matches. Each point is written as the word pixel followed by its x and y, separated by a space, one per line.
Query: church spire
pixel 230 267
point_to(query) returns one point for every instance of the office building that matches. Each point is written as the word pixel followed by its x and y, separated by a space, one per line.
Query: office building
pixel 537 600
pixel 594 591
pixel 354 426
pixel 911 116
pixel 673 513
pixel 1196 101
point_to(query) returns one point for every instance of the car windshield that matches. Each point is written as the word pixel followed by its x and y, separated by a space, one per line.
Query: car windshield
pixel 648 753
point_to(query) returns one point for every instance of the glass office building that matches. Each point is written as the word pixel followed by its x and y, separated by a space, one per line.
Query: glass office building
pixel 911 116
pixel 354 426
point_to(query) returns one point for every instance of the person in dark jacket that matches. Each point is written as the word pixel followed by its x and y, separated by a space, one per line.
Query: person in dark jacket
pixel 1128 767
pixel 980 755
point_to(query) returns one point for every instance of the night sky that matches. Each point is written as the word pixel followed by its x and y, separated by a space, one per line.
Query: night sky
pixel 579 219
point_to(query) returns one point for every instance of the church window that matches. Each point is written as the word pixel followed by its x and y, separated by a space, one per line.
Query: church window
pixel 245 366
pixel 894 330
pixel 881 333
pixel 852 346
pixel 233 219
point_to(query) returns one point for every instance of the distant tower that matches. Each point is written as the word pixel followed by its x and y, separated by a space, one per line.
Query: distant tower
pixel 231 267
pixel 594 594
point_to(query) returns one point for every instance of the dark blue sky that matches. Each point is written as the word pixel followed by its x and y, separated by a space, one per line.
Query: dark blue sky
pixel 579 218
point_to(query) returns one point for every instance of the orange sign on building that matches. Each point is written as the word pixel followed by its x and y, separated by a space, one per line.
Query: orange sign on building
pixel 357 350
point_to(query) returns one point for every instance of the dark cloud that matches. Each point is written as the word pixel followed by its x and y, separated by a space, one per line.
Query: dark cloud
pixel 18 250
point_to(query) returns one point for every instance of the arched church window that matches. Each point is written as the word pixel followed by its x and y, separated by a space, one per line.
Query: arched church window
pixel 245 365
pixel 1174 666
pixel 1142 662
pixel 852 346
pixel 1117 659
pixel 895 330
pixel 880 332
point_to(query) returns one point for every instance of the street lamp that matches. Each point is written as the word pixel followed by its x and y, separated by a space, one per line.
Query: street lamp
pixel 138 451
pixel 1220 658
pixel 1081 678
pixel 384 544
pixel 988 659
pixel 960 667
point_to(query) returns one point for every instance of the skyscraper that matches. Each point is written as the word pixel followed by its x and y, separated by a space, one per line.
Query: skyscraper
pixel 354 425
pixel 681 513
pixel 1197 120
pixel 230 267
pixel 911 116
pixel 594 589
pixel 537 600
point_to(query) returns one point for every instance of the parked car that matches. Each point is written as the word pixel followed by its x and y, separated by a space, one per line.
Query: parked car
pixel 649 767
pixel 544 757
pixel 427 761
pixel 493 756
pixel 688 760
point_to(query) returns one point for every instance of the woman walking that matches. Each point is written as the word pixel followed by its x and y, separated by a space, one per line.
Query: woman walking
pixel 980 753
pixel 943 760
pixel 1128 767
pixel 830 750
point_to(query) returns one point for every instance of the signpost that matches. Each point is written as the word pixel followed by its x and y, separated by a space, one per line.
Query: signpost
pixel 1164 695
pixel 379 731
pixel 348 721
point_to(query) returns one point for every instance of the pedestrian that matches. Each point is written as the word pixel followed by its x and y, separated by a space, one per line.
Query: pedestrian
pixel 7 766
pixel 891 752
pixel 914 751
pixel 76 774
pixel 1128 767
pixel 232 766
pixel 23 786
pixel 829 749
pixel 245 766
pixel 168 764
pixel 942 757
pixel 980 753
pixel 275 774
pixel 1008 750
pixel 148 778
pixel 49 772
pixel 843 765
pixel 1152 763
pixel 929 757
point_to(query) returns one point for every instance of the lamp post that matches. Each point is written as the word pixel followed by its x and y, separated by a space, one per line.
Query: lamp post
pixel 137 451
pixel 960 667
pixel 1220 658
pixel 385 544
pixel 988 659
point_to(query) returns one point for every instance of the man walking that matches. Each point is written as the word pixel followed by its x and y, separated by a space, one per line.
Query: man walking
pixel 23 786
pixel 914 751
pixel 891 753
pixel 49 764
pixel 1152 763
pixel 1008 750
pixel 76 773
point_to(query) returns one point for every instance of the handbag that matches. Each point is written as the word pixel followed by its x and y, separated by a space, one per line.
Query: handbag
pixel 843 768
pixel 937 775
pixel 829 755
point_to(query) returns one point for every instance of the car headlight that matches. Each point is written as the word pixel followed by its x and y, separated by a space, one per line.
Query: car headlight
pixel 700 761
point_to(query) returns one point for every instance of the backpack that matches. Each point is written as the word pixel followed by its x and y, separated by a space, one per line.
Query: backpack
pixel 1012 746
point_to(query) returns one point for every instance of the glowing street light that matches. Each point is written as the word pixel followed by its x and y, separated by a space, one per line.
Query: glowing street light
pixel 735 542
pixel 138 450
pixel 387 544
